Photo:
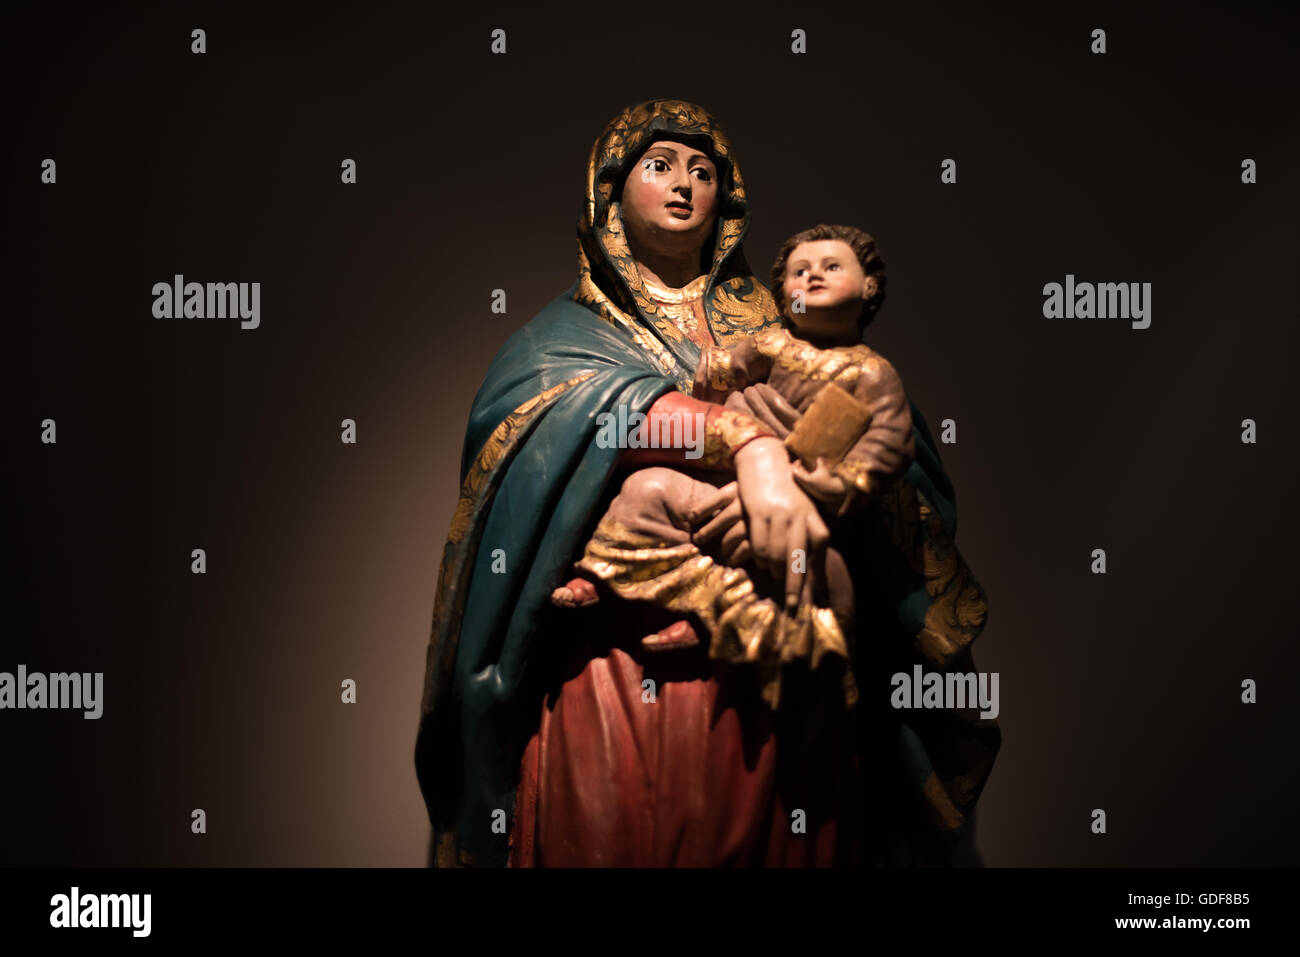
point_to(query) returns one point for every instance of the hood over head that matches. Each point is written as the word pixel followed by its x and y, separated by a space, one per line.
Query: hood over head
pixel 609 283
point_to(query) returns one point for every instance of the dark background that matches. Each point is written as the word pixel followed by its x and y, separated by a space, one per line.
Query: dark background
pixel 1119 692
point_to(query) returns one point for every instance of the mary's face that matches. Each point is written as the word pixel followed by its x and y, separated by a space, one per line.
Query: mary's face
pixel 670 199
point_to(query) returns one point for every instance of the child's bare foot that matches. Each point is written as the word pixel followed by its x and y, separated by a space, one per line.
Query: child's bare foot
pixel 577 593
pixel 679 634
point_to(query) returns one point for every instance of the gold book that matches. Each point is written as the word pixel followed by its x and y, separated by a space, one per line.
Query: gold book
pixel 833 422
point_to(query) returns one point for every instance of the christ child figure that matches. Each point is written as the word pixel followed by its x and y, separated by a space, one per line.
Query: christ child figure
pixel 848 427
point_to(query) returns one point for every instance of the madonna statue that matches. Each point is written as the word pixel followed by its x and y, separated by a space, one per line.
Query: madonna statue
pixel 608 735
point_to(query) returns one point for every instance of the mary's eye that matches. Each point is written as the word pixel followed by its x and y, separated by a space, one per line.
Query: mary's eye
pixel 705 175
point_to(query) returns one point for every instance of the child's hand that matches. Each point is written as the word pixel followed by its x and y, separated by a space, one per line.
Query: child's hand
pixel 771 409
pixel 821 484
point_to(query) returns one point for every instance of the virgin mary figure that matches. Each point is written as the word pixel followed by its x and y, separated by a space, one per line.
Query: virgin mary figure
pixel 555 737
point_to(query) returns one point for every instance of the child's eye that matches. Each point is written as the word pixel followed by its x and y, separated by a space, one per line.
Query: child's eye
pixel 833 266
pixel 800 271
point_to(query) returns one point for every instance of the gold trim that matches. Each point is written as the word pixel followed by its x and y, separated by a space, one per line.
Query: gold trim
pixel 668 294
pixel 844 364
pixel 943 812
pixel 743 629
pixel 494 450
pixel 476 490
pixel 959 607
pixel 724 434
pixel 721 375
pixel 854 474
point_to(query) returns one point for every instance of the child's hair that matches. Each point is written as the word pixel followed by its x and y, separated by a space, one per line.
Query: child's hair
pixel 863 246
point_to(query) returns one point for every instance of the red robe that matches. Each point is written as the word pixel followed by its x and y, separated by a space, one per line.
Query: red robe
pixel 698 777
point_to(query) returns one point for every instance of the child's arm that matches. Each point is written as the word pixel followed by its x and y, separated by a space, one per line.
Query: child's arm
pixel 886 449
pixel 878 451
pixel 726 369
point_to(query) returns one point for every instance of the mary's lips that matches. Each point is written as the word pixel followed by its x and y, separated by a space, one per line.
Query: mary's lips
pixel 685 206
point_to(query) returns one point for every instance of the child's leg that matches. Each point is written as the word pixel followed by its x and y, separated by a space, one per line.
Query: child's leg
pixel 642 550
pixel 656 508
pixel 575 593
pixel 652 502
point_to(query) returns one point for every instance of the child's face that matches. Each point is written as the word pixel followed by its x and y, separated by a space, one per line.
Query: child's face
pixel 827 279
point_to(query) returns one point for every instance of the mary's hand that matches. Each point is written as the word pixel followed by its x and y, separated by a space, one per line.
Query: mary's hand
pixel 783 523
